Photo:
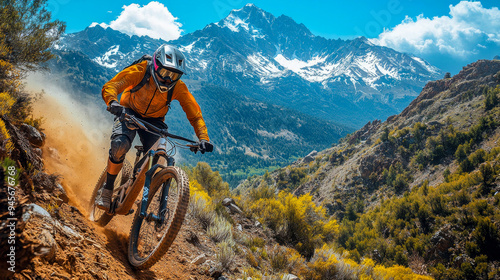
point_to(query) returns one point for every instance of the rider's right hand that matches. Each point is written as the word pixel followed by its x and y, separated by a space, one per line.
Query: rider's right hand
pixel 115 108
pixel 205 146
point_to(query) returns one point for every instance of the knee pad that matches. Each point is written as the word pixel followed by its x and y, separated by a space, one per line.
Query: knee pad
pixel 119 148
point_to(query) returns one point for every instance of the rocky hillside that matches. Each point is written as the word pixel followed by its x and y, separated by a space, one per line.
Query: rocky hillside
pixel 416 181
pixel 355 165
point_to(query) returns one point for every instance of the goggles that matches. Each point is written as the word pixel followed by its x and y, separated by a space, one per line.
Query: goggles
pixel 168 75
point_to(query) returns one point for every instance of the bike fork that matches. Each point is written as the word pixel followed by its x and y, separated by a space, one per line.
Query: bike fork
pixel 160 217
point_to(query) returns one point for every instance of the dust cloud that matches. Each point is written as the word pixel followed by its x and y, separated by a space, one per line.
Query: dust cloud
pixel 78 129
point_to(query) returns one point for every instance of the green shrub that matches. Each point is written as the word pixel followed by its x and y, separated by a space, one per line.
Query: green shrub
pixel 210 180
pixel 280 258
pixel 487 238
pixel 491 99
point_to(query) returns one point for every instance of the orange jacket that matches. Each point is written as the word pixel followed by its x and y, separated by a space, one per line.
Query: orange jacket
pixel 148 101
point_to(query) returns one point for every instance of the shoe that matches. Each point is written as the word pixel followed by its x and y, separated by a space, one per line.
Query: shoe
pixel 104 202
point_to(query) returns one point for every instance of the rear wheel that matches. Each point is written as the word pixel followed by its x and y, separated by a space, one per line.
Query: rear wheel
pixel 150 239
pixel 98 215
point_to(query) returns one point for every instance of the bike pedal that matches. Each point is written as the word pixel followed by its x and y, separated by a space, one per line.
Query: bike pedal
pixel 130 212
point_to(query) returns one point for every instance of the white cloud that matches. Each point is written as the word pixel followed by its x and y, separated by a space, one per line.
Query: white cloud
pixel 470 30
pixel 153 20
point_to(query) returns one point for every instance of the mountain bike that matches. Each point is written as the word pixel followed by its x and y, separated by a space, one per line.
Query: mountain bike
pixel 165 195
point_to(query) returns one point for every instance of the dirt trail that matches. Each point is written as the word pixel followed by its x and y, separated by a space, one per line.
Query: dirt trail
pixel 76 148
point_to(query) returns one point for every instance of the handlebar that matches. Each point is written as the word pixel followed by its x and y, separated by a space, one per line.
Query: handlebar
pixel 141 124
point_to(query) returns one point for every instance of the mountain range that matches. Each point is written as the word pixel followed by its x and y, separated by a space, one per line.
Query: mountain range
pixel 253 58
pixel 255 53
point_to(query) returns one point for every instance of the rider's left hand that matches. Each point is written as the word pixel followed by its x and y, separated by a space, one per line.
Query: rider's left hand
pixel 206 146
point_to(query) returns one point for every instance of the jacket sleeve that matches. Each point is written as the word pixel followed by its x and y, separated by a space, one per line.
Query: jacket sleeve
pixel 192 110
pixel 129 77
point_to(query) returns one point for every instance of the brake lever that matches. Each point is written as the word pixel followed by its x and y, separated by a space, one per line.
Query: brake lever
pixel 194 148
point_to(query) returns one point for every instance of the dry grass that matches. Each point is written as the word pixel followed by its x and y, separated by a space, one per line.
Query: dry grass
pixel 225 255
pixel 220 230
pixel 201 211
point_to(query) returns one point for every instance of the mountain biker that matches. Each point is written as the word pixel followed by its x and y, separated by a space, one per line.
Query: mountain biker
pixel 149 103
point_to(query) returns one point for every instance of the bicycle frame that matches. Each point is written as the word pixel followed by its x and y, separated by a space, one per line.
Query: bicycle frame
pixel 129 191
pixel 143 175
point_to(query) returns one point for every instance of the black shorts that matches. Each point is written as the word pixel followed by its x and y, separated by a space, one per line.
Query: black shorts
pixel 147 139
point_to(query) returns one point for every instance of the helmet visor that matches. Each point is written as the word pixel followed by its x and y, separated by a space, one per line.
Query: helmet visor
pixel 166 74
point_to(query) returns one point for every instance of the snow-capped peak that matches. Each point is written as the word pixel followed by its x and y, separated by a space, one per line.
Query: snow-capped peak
pixel 234 23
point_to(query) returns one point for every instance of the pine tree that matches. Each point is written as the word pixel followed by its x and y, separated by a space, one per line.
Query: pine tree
pixel 27 33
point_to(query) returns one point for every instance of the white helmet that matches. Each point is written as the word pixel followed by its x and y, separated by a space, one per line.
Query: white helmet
pixel 168 66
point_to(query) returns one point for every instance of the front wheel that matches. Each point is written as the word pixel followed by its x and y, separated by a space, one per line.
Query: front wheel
pixel 149 238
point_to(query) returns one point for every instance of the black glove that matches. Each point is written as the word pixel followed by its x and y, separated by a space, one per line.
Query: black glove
pixel 206 146
pixel 115 108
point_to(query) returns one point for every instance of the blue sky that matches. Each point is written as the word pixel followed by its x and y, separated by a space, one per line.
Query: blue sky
pixel 415 26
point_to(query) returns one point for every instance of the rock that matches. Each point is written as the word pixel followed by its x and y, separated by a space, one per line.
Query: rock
pixel 365 132
pixel 215 272
pixel 239 227
pixel 199 259
pixel 463 258
pixel 34 136
pixel 257 224
pixel 310 157
pixel 372 164
pixel 227 201
pixel 193 238
pixel 34 209
pixel 63 195
pixel 44 182
pixel 290 277
pixel 442 240
pixel 48 245
pixel 376 255
pixel 38 152
pixel 234 209
pixel 24 149
pixel 69 232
